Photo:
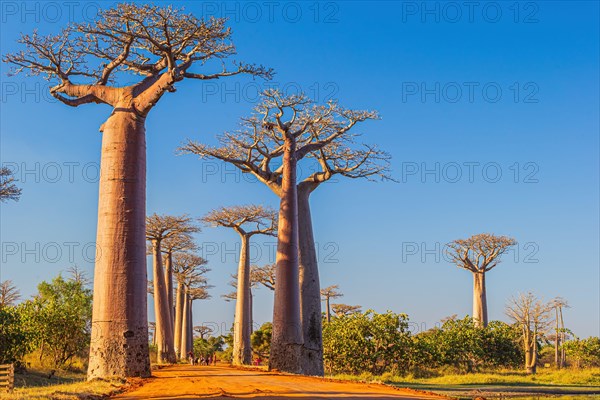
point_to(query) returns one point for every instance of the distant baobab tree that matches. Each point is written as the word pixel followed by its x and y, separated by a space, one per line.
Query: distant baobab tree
pixel 247 221
pixel 93 63
pixel 264 275
pixel 158 229
pixel 189 270
pixel 328 293
pixel 479 254
pixel 8 189
pixel 343 310
pixel 196 291
pixel 152 328
pixel 533 317
pixel 558 304
pixel 9 294
pixel 203 330
pixel 182 241
pixel 321 133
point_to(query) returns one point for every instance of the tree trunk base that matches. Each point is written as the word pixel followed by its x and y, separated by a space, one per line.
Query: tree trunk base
pixel 286 358
pixel 312 362
pixel 119 353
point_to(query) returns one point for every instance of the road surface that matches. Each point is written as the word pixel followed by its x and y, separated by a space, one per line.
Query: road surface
pixel 222 382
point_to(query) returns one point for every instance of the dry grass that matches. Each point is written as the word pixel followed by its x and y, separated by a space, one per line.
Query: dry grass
pixel 570 376
pixel 35 385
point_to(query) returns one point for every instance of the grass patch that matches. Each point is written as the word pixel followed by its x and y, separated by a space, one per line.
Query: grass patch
pixel 63 385
pixel 495 384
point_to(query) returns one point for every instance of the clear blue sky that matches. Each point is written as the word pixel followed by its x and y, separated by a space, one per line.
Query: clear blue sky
pixel 495 89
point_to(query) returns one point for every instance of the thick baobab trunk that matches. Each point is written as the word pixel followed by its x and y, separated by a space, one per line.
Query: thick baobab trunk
pixel 185 326
pixel 178 319
pixel 119 343
pixel 479 300
pixel 530 352
pixel 310 291
pixel 286 342
pixel 242 351
pixel 250 311
pixel 164 333
pixel 169 284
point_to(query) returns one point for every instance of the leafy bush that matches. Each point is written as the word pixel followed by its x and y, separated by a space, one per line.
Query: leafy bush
pixel 15 338
pixel 584 352
pixel 366 342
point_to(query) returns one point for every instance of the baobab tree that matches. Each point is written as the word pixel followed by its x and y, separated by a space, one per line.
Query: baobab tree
pixel 247 221
pixel 478 255
pixel 8 189
pixel 328 293
pixel 558 304
pixel 195 291
pixel 323 134
pixel 180 242
pixel 159 228
pixel 188 269
pixel 9 294
pixel 533 317
pixel 203 330
pixel 264 275
pixel 94 63
pixel 343 310
pixel 152 328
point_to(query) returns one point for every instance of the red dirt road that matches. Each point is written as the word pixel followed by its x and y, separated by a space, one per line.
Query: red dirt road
pixel 221 382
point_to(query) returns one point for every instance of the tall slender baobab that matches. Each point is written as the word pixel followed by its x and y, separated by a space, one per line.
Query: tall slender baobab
pixel 328 293
pixel 247 221
pixel 321 133
pixel 93 63
pixel 533 317
pixel 479 254
pixel 558 304
pixel 188 269
pixel 159 228
pixel 180 242
pixel 193 291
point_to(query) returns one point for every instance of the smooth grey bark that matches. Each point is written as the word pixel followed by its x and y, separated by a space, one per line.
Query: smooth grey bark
pixel 178 319
pixel 119 335
pixel 310 288
pixel 480 316
pixel 287 339
pixel 242 350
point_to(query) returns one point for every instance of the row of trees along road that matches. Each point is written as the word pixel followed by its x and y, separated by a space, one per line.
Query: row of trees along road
pixel 160 47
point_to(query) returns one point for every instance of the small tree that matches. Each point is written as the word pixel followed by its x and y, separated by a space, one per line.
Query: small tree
pixel 328 293
pixel 9 294
pixel 533 316
pixel 479 254
pixel 247 221
pixel 8 189
pixel 60 315
pixel 343 310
